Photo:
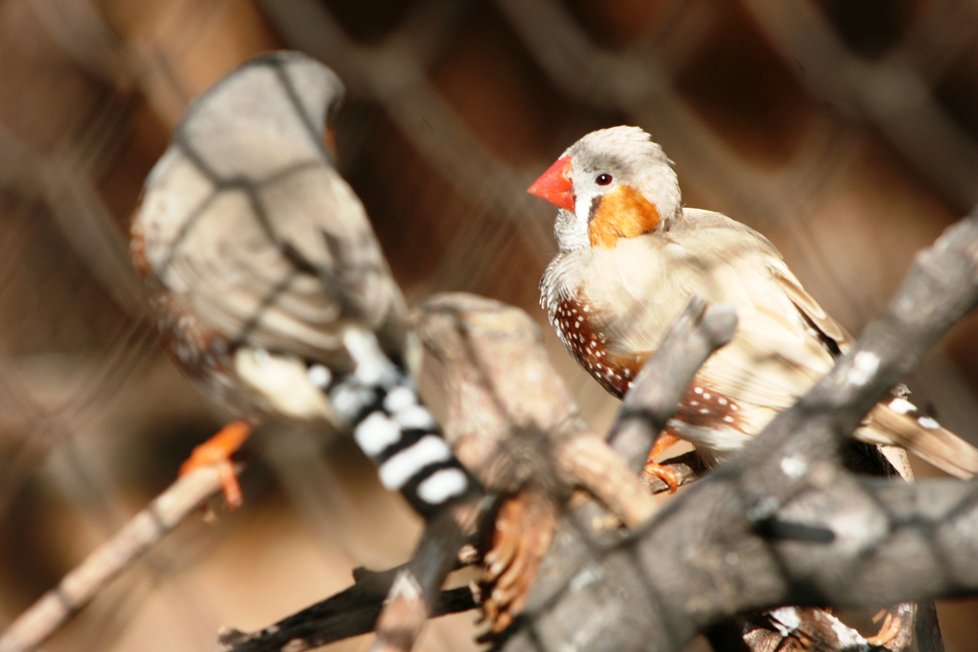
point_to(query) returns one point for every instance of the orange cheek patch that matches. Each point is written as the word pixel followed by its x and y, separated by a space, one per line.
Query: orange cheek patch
pixel 622 213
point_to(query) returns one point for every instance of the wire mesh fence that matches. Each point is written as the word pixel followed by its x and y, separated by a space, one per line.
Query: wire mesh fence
pixel 848 134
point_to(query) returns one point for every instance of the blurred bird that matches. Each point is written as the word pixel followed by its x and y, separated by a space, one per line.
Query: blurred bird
pixel 269 287
pixel 630 259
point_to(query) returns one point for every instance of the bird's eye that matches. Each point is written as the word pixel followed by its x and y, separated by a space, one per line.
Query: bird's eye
pixel 603 179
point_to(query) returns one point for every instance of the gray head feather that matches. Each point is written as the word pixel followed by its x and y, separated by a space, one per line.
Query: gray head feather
pixel 275 102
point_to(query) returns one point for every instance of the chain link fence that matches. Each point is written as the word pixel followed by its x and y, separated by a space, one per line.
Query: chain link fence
pixel 846 132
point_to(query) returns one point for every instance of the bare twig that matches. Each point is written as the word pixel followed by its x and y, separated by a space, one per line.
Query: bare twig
pixel 348 613
pixel 698 332
pixel 140 534
pixel 415 589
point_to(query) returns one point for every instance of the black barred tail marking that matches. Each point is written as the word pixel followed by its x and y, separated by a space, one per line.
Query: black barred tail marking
pixel 402 439
pixel 397 433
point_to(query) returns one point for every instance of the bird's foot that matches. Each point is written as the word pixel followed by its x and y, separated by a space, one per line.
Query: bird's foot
pixel 664 473
pixel 522 534
pixel 654 469
pixel 891 626
pixel 217 452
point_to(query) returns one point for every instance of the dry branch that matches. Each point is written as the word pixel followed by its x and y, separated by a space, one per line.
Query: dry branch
pixel 350 612
pixel 140 534
pixel 698 332
pixel 756 534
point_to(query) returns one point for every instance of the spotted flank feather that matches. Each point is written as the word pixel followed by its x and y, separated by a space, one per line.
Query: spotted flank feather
pixel 580 335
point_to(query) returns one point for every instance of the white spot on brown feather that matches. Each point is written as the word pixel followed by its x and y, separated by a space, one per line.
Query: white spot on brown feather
pixel 902 406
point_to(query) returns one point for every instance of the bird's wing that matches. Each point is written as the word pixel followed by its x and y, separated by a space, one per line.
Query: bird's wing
pixel 784 343
pixel 801 363
pixel 893 422
pixel 285 260
pixel 773 358
pixel 828 331
pixel 899 422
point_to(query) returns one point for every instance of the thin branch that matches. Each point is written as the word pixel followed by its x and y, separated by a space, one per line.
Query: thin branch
pixel 697 333
pixel 416 586
pixel 351 612
pixel 138 536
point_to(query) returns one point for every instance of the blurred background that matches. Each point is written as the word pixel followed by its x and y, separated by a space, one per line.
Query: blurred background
pixel 845 131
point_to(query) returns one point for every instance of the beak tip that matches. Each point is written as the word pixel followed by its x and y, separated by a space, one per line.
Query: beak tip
pixel 555 186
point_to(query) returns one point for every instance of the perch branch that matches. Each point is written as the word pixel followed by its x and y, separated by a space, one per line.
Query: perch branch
pixel 141 533
pixel 698 332
pixel 350 612
pixel 510 417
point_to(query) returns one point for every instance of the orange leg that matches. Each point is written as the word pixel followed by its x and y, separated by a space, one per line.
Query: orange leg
pixel 892 624
pixel 523 531
pixel 667 475
pixel 217 451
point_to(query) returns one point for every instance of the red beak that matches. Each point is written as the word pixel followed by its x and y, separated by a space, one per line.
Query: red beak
pixel 554 185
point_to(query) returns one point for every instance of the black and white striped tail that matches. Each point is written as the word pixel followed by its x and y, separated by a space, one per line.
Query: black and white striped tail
pixel 380 403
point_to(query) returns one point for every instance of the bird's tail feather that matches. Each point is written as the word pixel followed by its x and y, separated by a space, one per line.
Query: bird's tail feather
pixel 900 422
pixel 380 404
